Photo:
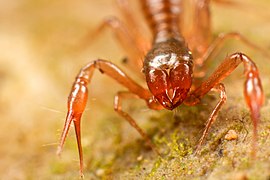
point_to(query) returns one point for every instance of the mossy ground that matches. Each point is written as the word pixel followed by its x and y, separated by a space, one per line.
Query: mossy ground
pixel 38 65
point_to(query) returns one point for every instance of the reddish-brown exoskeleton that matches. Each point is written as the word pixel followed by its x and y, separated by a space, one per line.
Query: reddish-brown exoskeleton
pixel 168 65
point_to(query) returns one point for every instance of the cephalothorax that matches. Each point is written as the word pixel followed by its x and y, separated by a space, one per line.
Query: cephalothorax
pixel 168 71
pixel 167 64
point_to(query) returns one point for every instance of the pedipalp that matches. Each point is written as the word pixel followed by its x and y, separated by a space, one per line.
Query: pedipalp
pixel 78 98
pixel 253 90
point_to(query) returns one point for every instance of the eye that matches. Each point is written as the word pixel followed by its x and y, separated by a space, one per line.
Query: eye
pixel 142 70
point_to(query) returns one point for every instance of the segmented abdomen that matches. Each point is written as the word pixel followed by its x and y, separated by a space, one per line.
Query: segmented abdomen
pixel 163 18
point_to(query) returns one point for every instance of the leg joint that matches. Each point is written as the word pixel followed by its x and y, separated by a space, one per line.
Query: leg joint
pixel 112 21
pixel 117 106
pixel 96 65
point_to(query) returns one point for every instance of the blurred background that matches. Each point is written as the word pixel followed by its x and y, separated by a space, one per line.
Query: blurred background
pixel 38 65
